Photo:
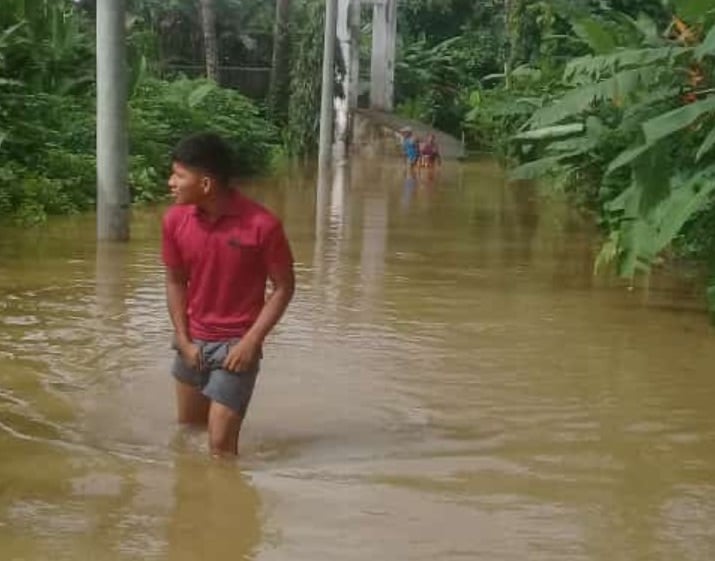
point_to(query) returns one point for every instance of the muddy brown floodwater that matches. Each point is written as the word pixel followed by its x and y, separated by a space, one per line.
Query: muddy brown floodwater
pixel 451 383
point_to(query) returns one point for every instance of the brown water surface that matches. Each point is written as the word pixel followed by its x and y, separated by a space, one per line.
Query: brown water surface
pixel 451 383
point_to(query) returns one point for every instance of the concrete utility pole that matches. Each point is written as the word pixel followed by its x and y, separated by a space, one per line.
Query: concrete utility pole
pixel 382 63
pixel 326 98
pixel 112 149
pixel 348 34
pixel 354 64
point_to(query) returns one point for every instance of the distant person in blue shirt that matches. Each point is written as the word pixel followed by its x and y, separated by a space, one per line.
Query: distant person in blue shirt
pixel 410 147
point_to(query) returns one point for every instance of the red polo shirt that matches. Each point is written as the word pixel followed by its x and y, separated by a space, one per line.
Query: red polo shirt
pixel 227 263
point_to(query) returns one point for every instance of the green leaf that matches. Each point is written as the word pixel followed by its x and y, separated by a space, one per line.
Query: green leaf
pixel 627 156
pixel 537 168
pixel 707 47
pixel 676 120
pixel 595 66
pixel 595 129
pixel 7 33
pixel 200 93
pixel 685 201
pixel 597 36
pixel 643 102
pixel 693 11
pixel 555 131
pixel 576 146
pixel 647 26
pixel 642 236
pixel 651 172
pixel 620 203
pixel 493 77
pixel 137 74
pixel 618 87
pixel 706 146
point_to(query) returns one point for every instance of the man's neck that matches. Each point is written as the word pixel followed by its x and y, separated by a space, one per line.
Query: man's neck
pixel 216 205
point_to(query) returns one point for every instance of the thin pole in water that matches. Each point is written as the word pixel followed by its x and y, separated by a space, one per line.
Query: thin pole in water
pixel 325 145
pixel 112 147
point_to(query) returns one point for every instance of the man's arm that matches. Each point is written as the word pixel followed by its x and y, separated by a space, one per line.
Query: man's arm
pixel 246 353
pixel 283 289
pixel 176 283
pixel 176 302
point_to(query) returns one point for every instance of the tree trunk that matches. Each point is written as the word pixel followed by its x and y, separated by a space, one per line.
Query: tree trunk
pixel 280 72
pixel 208 26
pixel 327 115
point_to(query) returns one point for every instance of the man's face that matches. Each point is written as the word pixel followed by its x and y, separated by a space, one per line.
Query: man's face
pixel 188 186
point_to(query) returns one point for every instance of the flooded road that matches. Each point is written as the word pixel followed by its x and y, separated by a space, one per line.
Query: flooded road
pixel 450 383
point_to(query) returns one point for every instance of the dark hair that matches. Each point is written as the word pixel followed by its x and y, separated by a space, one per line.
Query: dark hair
pixel 208 152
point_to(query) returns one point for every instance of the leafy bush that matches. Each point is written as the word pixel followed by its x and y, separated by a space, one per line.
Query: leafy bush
pixel 161 113
pixel 430 83
pixel 638 117
pixel 47 157
pixel 47 113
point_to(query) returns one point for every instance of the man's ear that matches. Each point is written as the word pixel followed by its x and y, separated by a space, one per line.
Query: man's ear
pixel 206 184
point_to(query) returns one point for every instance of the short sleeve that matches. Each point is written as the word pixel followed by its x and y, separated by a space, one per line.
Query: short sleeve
pixel 277 255
pixel 170 253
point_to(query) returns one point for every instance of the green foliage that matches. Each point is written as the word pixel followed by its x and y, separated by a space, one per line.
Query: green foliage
pixel 429 84
pixel 47 154
pixel 455 55
pixel 45 44
pixel 613 101
pixel 446 47
pixel 442 19
pixel 163 112
pixel 301 133
pixel 693 11
pixel 47 115
pixel 647 113
pixel 495 115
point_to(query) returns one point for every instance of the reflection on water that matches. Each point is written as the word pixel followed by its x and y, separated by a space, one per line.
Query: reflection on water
pixel 451 382
pixel 215 513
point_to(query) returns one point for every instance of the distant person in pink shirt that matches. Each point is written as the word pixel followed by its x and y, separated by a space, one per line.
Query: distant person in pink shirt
pixel 429 152
pixel 220 249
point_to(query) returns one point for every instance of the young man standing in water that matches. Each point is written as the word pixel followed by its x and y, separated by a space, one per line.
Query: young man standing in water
pixel 220 249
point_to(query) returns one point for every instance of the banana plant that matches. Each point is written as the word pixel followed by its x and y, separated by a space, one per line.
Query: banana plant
pixel 644 117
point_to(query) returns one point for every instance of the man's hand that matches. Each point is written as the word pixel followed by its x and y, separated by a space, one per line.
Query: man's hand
pixel 191 353
pixel 243 356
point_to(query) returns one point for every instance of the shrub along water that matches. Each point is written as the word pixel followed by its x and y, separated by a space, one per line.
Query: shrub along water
pixel 631 129
pixel 47 115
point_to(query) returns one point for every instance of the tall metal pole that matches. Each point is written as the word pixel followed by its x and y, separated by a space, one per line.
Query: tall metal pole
pixel 326 99
pixel 112 189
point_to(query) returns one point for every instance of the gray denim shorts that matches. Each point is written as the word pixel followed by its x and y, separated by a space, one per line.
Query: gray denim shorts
pixel 232 389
